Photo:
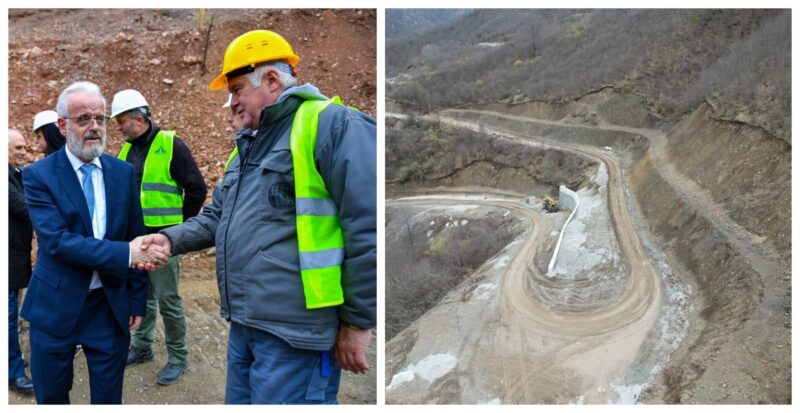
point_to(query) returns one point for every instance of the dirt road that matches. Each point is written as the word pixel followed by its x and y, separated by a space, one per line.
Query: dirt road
pixel 522 351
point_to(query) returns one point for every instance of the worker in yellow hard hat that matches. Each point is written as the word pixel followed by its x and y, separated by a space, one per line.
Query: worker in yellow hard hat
pixel 294 225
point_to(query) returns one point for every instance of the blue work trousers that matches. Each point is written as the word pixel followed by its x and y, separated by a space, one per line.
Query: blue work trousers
pixel 16 367
pixel 265 369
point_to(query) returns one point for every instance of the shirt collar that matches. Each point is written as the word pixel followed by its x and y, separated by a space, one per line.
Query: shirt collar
pixel 77 163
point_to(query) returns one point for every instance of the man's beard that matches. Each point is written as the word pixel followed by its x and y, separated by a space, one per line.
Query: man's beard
pixel 76 145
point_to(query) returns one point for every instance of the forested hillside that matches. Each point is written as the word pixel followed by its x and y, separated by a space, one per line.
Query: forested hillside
pixel 736 60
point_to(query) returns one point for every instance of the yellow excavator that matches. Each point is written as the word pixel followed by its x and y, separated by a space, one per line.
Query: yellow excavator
pixel 549 204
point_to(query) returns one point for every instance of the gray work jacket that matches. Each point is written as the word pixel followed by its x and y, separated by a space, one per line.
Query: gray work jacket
pixel 251 221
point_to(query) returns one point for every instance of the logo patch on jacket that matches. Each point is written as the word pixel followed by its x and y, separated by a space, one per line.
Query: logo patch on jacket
pixel 160 150
pixel 281 195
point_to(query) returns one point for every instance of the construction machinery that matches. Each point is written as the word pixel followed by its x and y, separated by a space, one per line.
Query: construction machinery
pixel 549 204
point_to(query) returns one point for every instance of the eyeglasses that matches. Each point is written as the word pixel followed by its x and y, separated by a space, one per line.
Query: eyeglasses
pixel 86 120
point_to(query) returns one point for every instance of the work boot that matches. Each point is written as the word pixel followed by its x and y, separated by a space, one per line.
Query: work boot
pixel 171 373
pixel 137 356
pixel 21 384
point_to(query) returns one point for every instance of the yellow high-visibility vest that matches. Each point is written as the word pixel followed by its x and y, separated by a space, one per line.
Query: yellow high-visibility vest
pixel 160 195
pixel 319 236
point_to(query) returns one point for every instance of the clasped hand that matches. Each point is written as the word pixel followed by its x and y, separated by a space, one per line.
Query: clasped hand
pixel 150 252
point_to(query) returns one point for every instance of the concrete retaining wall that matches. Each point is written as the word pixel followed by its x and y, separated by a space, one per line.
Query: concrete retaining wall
pixel 567 199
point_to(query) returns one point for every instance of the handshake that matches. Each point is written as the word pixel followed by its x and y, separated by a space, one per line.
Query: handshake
pixel 150 252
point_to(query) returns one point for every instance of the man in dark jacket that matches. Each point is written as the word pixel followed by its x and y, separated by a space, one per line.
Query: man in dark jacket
pixel 171 189
pixel 299 314
pixel 45 127
pixel 20 233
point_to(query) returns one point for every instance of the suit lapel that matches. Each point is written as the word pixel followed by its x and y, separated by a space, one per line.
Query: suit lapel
pixel 13 178
pixel 69 181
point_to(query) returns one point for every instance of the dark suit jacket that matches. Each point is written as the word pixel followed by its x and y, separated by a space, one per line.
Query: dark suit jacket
pixel 20 234
pixel 68 253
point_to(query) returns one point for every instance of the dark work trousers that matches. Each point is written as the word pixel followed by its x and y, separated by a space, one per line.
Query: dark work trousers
pixel 16 367
pixel 163 289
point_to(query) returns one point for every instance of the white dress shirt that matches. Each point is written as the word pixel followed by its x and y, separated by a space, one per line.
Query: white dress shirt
pixel 99 214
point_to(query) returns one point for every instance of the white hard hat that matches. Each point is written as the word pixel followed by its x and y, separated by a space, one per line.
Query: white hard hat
pixel 43 118
pixel 126 100
pixel 228 103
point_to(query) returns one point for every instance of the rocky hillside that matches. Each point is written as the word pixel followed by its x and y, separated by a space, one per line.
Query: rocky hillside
pixel 738 61
pixel 402 23
pixel 160 53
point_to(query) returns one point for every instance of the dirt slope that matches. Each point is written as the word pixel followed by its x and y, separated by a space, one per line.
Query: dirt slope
pixel 159 52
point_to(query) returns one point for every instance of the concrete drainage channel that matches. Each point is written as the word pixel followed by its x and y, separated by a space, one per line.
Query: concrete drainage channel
pixel 569 200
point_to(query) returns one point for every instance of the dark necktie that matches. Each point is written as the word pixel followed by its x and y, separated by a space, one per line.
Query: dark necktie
pixel 88 188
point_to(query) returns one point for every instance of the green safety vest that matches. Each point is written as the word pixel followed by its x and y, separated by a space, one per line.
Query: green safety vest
pixel 319 236
pixel 160 195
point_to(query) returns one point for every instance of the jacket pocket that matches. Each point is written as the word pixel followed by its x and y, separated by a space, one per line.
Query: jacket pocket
pixel 274 291
pixel 47 275
pixel 228 180
pixel 276 188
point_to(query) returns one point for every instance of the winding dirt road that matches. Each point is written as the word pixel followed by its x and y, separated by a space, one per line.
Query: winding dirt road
pixel 764 258
pixel 529 352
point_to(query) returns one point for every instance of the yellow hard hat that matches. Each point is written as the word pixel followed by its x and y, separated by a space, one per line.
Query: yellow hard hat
pixel 250 49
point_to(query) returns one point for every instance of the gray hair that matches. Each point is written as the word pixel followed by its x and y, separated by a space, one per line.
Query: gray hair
pixel 140 112
pixel 287 80
pixel 82 86
pixel 12 130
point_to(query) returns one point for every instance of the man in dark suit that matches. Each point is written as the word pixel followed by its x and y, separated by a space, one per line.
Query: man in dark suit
pixel 85 209
pixel 20 234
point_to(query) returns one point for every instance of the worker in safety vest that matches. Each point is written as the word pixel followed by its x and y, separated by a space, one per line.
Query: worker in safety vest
pixel 171 189
pixel 294 225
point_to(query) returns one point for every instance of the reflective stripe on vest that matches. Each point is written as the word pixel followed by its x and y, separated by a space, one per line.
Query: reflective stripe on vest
pixel 319 236
pixel 160 195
